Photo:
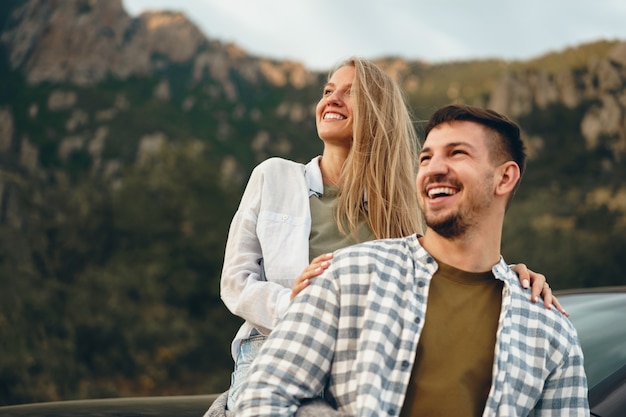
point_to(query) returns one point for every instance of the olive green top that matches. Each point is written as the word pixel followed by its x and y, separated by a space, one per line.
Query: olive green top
pixel 325 236
pixel 454 360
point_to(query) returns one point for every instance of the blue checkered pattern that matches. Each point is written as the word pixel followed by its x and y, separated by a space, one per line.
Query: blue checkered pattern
pixel 354 332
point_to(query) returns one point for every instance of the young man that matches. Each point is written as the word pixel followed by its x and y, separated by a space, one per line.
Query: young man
pixel 431 325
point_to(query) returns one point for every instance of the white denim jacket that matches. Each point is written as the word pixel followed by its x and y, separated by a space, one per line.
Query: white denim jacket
pixel 268 243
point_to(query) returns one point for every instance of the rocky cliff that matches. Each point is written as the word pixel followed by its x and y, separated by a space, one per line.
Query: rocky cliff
pixel 66 49
pixel 601 82
pixel 82 42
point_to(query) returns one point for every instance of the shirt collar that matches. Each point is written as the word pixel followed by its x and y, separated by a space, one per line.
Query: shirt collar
pixel 313 175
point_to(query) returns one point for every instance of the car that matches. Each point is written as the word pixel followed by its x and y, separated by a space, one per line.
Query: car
pixel 599 315
pixel 166 406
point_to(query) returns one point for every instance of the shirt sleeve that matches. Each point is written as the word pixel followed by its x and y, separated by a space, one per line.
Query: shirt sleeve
pixel 244 290
pixel 565 390
pixel 295 361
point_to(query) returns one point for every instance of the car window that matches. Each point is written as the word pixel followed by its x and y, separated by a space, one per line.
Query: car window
pixel 600 320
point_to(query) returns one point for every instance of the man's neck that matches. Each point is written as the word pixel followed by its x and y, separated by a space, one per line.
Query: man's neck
pixel 471 252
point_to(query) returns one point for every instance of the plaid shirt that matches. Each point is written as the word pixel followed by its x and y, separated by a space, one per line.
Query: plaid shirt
pixel 354 332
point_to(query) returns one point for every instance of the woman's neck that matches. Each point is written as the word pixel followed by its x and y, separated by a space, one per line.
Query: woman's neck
pixel 331 165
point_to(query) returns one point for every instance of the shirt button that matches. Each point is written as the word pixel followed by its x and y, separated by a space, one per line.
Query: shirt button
pixel 418 319
pixel 405 364
pixel 421 284
pixel 391 411
pixel 285 217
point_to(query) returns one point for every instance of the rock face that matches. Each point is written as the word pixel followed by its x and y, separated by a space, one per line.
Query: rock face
pixel 84 41
pixel 63 47
pixel 602 82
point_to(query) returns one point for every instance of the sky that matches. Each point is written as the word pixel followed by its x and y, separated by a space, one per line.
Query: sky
pixel 321 33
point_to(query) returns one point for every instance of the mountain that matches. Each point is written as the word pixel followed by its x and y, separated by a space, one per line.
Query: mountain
pixel 125 144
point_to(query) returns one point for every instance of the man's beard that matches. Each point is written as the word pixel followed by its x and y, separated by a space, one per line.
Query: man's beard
pixel 457 223
pixel 450 228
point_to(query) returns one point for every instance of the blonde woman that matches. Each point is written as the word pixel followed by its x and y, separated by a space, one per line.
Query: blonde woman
pixel 293 216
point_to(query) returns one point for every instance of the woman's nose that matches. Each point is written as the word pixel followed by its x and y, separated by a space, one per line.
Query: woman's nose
pixel 334 98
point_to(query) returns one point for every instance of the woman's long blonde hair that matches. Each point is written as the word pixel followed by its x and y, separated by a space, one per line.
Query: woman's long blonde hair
pixel 382 162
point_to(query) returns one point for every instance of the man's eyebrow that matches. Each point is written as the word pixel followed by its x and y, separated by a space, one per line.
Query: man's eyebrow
pixel 455 144
pixel 449 145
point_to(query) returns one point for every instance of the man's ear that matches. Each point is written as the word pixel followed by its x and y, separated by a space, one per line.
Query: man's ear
pixel 507 177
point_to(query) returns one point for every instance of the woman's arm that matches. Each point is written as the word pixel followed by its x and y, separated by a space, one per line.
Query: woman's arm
pixel 244 288
pixel 267 246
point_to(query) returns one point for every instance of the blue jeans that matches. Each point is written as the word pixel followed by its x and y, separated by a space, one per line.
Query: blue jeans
pixel 248 350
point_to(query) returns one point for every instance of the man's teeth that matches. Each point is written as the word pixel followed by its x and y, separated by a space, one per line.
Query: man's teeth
pixel 440 191
pixel 333 116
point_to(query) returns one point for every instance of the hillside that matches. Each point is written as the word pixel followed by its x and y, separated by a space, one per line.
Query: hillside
pixel 125 144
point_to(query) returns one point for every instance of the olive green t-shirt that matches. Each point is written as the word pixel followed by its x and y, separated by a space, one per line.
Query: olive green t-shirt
pixel 325 236
pixel 455 354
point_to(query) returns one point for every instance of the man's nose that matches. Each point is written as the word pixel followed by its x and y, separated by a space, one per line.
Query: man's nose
pixel 436 165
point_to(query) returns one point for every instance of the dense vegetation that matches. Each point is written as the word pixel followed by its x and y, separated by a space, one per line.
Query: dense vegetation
pixel 556 224
pixel 110 277
pixel 115 292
